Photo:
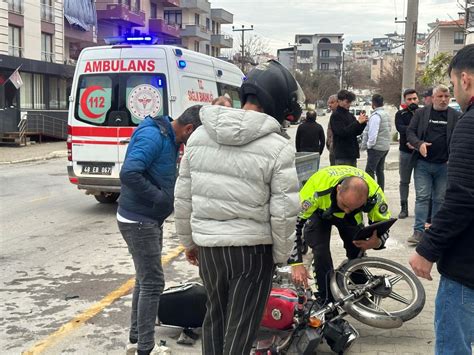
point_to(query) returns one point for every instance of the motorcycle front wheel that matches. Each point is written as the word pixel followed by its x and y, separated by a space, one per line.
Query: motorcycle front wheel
pixel 399 294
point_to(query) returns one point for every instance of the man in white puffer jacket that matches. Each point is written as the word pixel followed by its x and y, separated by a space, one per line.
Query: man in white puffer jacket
pixel 236 202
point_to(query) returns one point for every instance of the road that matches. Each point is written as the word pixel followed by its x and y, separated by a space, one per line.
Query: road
pixel 62 256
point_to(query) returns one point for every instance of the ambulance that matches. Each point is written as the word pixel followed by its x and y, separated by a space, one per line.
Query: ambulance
pixel 116 87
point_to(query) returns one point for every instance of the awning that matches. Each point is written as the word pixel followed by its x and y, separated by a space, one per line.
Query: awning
pixel 81 13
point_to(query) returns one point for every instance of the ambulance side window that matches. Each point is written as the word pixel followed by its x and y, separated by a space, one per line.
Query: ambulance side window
pixel 232 91
pixel 94 98
pixel 145 95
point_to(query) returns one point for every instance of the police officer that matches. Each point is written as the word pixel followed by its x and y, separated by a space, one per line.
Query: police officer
pixel 336 195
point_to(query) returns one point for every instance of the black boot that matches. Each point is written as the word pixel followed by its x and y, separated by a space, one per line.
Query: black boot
pixel 404 211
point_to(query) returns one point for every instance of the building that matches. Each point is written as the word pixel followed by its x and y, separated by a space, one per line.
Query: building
pixel 469 21
pixel 317 52
pixel 382 64
pixel 200 26
pixel 42 39
pixel 444 37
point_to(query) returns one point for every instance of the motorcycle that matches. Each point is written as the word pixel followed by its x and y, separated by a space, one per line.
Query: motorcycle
pixel 296 321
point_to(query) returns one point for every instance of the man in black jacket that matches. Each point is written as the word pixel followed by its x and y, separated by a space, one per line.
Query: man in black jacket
pixel 345 128
pixel 429 133
pixel 310 135
pixel 450 240
pixel 405 166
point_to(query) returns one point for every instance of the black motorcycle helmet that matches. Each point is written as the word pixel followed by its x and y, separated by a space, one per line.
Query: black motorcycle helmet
pixel 276 89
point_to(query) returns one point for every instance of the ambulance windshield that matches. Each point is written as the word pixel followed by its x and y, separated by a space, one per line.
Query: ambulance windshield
pixel 101 98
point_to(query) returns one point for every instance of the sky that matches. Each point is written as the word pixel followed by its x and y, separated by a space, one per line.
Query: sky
pixel 277 21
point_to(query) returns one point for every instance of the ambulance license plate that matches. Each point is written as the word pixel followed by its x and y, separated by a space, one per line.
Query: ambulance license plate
pixel 97 168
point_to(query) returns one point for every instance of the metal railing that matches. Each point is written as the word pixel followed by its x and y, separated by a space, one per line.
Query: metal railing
pixel 22 128
pixel 15 6
pixel 47 13
pixel 47 57
pixel 38 123
pixel 15 51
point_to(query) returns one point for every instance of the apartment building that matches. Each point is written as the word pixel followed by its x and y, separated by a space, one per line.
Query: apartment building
pixel 200 26
pixel 41 37
pixel 444 37
pixel 469 21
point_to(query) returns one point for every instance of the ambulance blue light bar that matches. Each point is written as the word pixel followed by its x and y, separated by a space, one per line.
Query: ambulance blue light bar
pixel 182 64
pixel 139 39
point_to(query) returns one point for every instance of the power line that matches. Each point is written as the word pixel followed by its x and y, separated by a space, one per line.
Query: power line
pixel 243 30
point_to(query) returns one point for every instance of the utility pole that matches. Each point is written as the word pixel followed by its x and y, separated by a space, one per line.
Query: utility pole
pixel 295 61
pixel 243 30
pixel 409 53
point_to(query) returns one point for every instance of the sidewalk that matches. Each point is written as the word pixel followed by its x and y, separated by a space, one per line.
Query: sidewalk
pixel 12 155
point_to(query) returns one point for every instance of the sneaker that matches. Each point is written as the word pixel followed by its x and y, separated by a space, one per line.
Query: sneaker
pixel 131 348
pixel 159 350
pixel 415 237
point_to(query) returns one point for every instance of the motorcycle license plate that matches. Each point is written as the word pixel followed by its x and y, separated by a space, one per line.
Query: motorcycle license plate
pixel 97 168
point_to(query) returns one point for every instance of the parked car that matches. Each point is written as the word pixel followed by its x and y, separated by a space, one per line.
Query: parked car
pixel 454 104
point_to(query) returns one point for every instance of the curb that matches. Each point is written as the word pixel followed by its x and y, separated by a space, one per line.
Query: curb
pixel 49 156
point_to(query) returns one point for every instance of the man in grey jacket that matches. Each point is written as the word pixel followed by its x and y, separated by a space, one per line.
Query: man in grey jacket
pixel 376 139
pixel 430 132
pixel 236 202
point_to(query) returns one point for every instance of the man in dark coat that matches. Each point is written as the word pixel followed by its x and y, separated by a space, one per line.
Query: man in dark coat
pixel 345 128
pixel 450 239
pixel 310 135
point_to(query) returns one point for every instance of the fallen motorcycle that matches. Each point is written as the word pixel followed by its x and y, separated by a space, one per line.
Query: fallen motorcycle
pixel 296 321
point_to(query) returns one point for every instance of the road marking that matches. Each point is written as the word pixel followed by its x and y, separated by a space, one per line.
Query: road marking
pixel 79 320
pixel 39 199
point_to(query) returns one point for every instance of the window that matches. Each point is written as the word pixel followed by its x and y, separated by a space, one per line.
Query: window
pixel 173 17
pixel 196 46
pixel 208 24
pixel 196 19
pixel 229 90
pixel 15 6
pixel 26 91
pixel 324 66
pixel 57 93
pixel 305 54
pixel 214 27
pixel 134 95
pixel 153 10
pixel 47 11
pixel 47 47
pixel 14 41
pixel 458 37
pixel 325 53
pixel 208 49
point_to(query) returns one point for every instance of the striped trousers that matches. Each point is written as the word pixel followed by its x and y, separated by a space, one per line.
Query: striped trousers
pixel 237 281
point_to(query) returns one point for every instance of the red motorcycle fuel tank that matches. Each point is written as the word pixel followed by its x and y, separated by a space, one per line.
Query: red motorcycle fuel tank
pixel 280 309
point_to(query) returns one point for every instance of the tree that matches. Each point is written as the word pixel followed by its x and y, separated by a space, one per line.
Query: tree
pixel 390 83
pixel 436 72
pixel 357 75
pixel 255 48
pixel 317 85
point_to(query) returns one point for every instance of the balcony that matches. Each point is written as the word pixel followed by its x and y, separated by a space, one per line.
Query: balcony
pixel 15 6
pixel 200 33
pixel 76 35
pixel 47 57
pixel 120 14
pixel 330 46
pixel 199 6
pixel 170 3
pixel 47 13
pixel 159 27
pixel 331 59
pixel 222 16
pixel 222 41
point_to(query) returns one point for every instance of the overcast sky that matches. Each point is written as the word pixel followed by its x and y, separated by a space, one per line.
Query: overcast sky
pixel 279 20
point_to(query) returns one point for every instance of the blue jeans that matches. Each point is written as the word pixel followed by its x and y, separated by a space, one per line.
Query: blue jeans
pixel 145 242
pixel 454 318
pixel 405 169
pixel 430 182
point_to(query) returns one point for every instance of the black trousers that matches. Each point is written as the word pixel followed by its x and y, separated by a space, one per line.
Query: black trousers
pixel 317 235
pixel 238 281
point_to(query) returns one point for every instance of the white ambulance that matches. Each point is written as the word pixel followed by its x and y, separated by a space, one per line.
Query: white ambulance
pixel 116 87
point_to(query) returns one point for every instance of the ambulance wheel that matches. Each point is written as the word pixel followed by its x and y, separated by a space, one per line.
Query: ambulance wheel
pixel 107 197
